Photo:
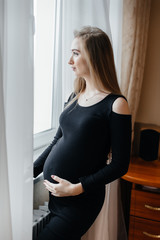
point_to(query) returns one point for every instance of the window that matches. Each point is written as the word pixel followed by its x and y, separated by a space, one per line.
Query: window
pixel 44 43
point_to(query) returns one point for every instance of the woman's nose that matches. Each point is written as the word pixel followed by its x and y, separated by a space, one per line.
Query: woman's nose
pixel 70 61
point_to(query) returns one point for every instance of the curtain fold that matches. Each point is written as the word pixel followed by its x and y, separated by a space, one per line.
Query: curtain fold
pixel 115 17
pixel 134 43
pixel 16 120
pixel 5 219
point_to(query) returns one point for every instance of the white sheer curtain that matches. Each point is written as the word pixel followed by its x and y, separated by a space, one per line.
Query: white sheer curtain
pixel 16 117
pixel 73 14
pixel 5 219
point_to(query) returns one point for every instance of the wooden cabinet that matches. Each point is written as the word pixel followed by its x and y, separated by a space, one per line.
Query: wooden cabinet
pixel 144 215
pixel 145 199
pixel 143 229
pixel 145 204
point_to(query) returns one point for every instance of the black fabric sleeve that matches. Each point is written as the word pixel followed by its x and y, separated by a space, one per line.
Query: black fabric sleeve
pixel 39 163
pixel 120 134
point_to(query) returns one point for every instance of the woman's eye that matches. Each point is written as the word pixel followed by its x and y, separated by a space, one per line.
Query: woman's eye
pixel 75 53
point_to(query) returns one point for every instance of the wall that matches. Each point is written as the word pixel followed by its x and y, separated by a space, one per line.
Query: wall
pixel 149 107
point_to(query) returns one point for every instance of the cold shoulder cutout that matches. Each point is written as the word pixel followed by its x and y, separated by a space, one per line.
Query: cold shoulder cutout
pixel 120 106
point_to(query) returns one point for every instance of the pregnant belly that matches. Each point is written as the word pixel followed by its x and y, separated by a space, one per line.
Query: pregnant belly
pixel 65 163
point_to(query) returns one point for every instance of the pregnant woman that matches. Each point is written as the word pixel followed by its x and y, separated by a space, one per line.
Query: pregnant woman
pixel 95 122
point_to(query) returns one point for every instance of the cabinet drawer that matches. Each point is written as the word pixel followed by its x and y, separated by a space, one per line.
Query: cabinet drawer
pixel 145 204
pixel 143 229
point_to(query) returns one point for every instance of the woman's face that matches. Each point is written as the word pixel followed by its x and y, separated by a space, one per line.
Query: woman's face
pixel 77 60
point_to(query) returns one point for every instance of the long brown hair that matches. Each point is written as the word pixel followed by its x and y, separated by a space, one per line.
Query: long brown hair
pixel 98 53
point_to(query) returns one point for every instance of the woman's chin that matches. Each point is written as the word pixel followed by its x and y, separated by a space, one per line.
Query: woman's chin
pixel 77 75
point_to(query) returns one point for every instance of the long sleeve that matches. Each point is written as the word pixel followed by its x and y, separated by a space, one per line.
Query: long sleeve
pixel 120 135
pixel 39 163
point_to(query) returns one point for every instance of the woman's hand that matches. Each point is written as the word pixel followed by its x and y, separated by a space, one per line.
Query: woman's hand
pixel 63 188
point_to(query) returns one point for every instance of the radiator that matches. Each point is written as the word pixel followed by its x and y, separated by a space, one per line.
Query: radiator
pixel 41 217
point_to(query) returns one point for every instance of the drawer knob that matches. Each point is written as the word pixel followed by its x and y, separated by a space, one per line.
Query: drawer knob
pixel 151 235
pixel 152 208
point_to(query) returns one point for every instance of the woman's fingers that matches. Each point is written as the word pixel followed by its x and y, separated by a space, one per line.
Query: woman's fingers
pixel 56 178
pixel 48 186
pixel 53 188
pixel 62 188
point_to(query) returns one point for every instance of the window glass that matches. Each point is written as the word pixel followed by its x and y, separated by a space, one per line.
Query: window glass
pixel 43 64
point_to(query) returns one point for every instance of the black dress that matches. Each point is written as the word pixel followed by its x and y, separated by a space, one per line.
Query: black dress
pixel 79 153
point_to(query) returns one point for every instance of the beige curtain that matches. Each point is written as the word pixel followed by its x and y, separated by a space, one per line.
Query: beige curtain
pixel 134 43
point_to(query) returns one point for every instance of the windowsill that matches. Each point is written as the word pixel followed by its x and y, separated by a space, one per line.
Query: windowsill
pixel 37 179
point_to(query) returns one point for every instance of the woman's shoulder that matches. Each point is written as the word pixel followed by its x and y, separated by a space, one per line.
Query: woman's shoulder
pixel 120 105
